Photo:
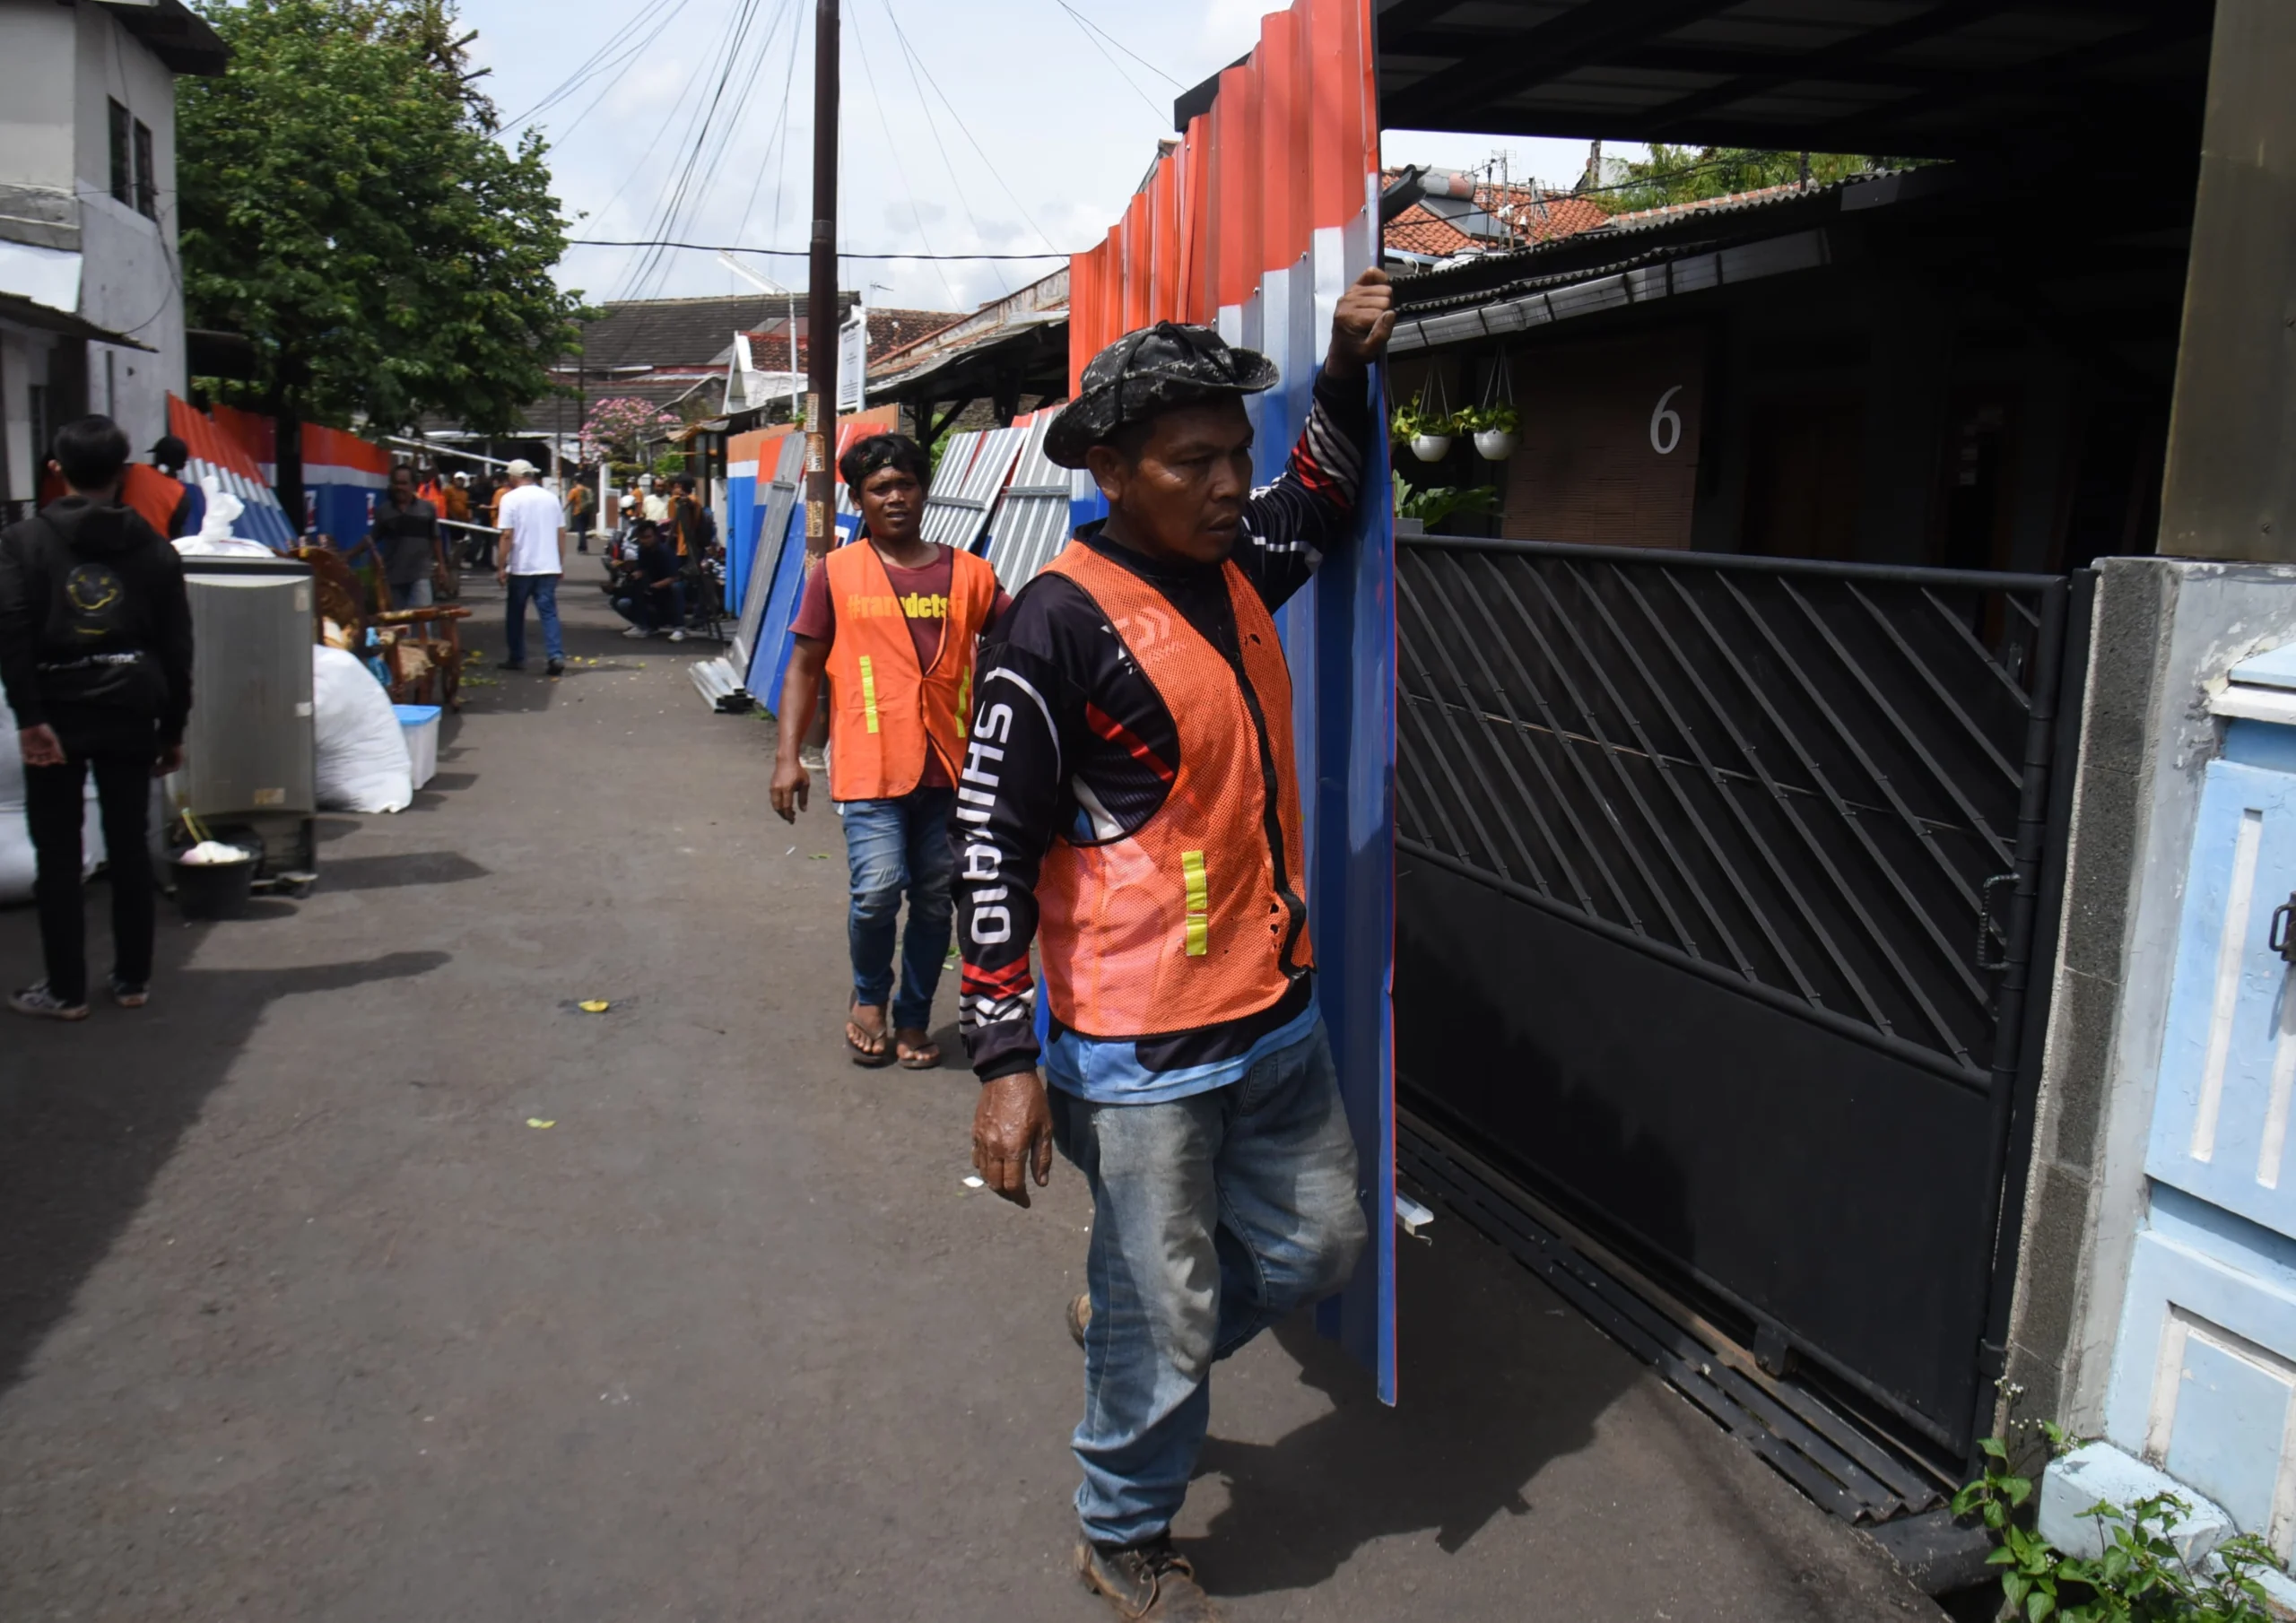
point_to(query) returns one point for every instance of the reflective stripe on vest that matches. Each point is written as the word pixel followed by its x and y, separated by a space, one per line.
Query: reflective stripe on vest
pixel 1193 918
pixel 1199 905
pixel 885 713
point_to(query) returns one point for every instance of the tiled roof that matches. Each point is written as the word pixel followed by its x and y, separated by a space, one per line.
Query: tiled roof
pixel 1461 215
pixel 1729 200
pixel 889 330
pixel 1417 231
pixel 697 332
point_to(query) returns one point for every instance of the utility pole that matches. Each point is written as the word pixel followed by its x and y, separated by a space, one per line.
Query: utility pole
pixel 820 302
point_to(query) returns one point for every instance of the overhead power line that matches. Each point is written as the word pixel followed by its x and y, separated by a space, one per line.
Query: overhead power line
pixel 1087 22
pixel 728 247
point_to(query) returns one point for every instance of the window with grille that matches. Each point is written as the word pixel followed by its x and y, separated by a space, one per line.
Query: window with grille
pixel 123 155
pixel 147 174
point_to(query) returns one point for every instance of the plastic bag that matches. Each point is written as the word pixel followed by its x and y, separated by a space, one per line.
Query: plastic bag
pixel 361 752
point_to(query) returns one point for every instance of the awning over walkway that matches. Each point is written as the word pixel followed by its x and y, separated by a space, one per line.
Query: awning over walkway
pixel 1933 78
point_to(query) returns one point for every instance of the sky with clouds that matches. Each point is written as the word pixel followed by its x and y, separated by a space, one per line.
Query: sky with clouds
pixel 967 125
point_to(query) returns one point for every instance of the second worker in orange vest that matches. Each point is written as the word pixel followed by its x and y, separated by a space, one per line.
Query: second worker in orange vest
pixel 891 621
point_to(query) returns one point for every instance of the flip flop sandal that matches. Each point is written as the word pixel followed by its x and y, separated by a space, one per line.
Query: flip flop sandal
pixel 927 1057
pixel 863 1057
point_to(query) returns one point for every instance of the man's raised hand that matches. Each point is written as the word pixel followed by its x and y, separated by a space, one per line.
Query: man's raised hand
pixel 1362 324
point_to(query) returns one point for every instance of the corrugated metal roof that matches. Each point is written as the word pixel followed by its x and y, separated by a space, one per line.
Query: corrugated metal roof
pixel 1031 522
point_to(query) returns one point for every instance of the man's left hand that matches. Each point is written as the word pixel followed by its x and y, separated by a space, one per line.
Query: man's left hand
pixel 170 759
pixel 1361 325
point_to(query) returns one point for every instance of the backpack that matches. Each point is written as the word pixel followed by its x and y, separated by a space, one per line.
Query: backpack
pixel 91 613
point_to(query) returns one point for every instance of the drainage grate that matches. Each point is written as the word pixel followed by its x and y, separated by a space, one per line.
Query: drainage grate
pixel 1792 1427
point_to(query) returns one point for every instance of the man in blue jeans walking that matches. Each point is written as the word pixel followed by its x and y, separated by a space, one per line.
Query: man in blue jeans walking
pixel 534 557
pixel 891 619
pixel 1130 803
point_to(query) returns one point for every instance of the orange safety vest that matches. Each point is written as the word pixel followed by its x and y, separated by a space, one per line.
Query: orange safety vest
pixel 1186 921
pixel 884 712
pixel 153 494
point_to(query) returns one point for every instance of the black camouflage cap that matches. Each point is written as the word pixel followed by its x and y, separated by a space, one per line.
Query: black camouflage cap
pixel 1147 372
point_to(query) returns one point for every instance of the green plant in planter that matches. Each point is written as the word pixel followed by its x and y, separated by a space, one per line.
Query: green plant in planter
pixel 2140 1577
pixel 1432 504
pixel 1501 417
pixel 1410 421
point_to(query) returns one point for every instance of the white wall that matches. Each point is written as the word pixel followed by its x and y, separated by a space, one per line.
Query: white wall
pixel 38 44
pixel 129 283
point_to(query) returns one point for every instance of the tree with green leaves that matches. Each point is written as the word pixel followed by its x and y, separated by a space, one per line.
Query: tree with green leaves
pixel 1685 174
pixel 348 205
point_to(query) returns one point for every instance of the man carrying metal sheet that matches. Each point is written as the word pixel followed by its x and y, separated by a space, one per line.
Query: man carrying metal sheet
pixel 1129 801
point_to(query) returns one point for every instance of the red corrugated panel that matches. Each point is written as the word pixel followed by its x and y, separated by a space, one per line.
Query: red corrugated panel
pixel 1285 150
pixel 1197 303
pixel 1234 249
pixel 1283 155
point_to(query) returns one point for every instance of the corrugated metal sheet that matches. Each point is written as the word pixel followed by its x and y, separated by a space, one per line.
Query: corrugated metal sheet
pixel 956 508
pixel 780 501
pixel 1031 522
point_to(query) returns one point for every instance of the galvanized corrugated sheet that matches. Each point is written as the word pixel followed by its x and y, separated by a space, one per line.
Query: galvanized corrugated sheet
pixel 956 509
pixel 1031 522
pixel 773 530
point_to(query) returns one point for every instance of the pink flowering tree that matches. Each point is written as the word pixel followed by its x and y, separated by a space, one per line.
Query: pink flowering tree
pixel 620 430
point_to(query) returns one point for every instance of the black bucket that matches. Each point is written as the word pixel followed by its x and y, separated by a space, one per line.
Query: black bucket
pixel 214 889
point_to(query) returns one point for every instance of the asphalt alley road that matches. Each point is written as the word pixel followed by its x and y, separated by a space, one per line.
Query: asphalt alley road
pixel 363 1276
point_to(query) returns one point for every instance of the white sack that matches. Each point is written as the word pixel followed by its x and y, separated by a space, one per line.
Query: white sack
pixel 362 764
pixel 17 863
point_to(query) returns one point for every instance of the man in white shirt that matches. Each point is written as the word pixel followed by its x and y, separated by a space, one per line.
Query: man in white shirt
pixel 533 556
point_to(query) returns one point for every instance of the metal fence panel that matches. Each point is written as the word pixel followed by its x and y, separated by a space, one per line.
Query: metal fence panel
pixel 1808 780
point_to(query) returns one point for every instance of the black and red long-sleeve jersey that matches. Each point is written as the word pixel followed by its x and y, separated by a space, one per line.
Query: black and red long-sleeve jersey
pixel 1085 748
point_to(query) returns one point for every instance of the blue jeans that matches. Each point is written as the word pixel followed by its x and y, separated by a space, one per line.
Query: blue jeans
pixel 1214 1216
pixel 892 847
pixel 542 590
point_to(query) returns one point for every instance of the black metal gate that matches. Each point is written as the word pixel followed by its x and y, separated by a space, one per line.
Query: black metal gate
pixel 1719 882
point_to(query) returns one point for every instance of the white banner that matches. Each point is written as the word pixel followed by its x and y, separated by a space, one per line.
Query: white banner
pixel 852 361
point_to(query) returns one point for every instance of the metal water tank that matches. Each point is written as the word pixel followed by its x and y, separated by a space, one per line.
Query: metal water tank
pixel 248 752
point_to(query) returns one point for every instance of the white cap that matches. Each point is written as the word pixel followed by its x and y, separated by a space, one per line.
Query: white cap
pixel 520 469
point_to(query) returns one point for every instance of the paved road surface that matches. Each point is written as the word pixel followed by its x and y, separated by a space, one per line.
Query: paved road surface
pixel 302 1318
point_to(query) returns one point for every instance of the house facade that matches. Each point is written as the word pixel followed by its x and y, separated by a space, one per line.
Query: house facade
pixel 91 286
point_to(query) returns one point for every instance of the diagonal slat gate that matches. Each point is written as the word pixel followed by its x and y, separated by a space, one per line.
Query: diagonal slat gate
pixel 1719 884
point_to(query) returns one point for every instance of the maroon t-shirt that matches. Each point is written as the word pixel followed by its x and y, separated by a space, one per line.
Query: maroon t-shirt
pixel 923 595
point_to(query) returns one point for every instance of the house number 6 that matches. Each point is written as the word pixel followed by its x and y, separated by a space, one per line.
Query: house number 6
pixel 1665 426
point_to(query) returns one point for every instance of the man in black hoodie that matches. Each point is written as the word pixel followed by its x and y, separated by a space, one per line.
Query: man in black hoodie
pixel 95 653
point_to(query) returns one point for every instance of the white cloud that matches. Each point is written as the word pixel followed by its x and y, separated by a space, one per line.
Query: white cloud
pixel 1048 114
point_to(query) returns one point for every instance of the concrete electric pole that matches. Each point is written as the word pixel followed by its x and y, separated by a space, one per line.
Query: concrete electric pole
pixel 820 311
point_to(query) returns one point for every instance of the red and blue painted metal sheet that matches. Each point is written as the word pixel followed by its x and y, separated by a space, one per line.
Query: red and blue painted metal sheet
pixel 222 458
pixel 1255 224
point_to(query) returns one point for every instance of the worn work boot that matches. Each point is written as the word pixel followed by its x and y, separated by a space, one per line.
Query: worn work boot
pixel 1080 1318
pixel 1146 1583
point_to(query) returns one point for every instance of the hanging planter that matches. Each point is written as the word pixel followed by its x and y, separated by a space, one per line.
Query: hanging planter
pixel 1496 426
pixel 1428 424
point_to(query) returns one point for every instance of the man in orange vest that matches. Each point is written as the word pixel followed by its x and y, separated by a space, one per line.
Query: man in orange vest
pixel 1129 803
pixel 891 619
